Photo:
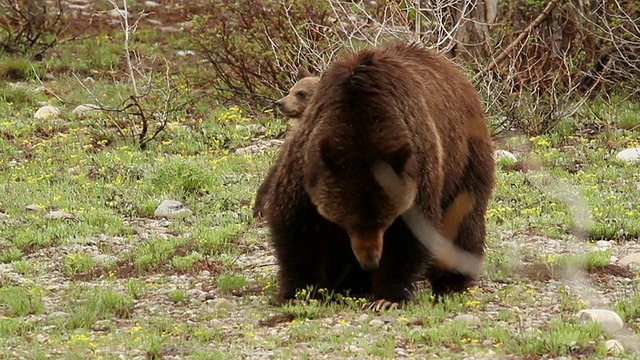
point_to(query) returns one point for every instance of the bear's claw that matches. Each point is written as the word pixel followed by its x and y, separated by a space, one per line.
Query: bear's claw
pixel 381 304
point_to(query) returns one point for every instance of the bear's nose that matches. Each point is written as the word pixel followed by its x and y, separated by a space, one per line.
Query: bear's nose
pixel 369 264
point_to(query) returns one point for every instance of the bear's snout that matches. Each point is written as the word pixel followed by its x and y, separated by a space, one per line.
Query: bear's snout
pixel 367 247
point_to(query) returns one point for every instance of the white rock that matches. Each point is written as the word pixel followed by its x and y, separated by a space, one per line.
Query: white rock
pixel 603 244
pixel 32 207
pixel 630 259
pixel 629 155
pixel 504 154
pixel 4 216
pixel 151 4
pixel 47 112
pixel 468 318
pixel 609 320
pixel 614 347
pixel 171 209
pixel 376 322
pixel 83 109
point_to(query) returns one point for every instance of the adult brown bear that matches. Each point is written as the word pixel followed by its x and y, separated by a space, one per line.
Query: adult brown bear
pixel 332 224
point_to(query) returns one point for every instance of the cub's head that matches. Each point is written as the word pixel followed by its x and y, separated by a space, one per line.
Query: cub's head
pixel 296 101
pixel 350 185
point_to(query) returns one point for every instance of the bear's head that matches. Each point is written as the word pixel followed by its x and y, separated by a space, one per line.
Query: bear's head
pixel 343 179
pixel 296 101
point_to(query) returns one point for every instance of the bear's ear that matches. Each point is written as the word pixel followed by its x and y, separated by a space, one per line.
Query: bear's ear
pixel 302 73
pixel 399 156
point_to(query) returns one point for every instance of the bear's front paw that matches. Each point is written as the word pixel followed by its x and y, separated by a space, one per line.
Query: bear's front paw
pixel 381 304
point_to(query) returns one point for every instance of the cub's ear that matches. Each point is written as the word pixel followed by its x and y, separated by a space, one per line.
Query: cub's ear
pixel 302 73
pixel 399 156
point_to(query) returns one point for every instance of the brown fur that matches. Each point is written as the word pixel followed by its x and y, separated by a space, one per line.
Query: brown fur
pixel 291 106
pixel 333 225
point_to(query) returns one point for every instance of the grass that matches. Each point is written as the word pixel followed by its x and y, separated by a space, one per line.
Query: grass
pixel 116 280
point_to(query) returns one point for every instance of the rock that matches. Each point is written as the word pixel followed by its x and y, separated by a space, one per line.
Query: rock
pixel 84 109
pixel 388 319
pixel 58 215
pixel 614 347
pixel 376 322
pixel 629 155
pixel 603 244
pixel 47 112
pixel 468 318
pixel 32 207
pixel 171 209
pixel 59 314
pixel 631 259
pixel 101 326
pixel 609 320
pixel 4 216
pixel 151 4
pixel 362 318
pixel 222 303
pixel 105 259
pixel 117 13
pixel 504 154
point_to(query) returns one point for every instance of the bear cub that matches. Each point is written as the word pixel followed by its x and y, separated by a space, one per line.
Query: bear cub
pixel 332 224
pixel 291 106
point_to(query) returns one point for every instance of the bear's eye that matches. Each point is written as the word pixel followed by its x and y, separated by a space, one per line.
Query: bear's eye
pixel 301 95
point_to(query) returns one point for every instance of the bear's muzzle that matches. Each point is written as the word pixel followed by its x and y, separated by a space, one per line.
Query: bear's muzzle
pixel 367 247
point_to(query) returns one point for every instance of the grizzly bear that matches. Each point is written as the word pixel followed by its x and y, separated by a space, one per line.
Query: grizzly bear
pixel 292 106
pixel 336 224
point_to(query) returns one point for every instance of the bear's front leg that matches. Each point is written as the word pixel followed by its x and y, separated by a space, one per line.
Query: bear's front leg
pixel 302 263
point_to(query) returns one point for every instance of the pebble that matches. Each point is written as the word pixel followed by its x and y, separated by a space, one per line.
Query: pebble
pixel 4 216
pixel 222 303
pixel 362 318
pixel 151 4
pixel 468 318
pixel 376 322
pixel 609 320
pixel 59 314
pixel 101 326
pixel 603 244
pixel 504 154
pixel 614 347
pixel 47 112
pixel 185 52
pixel 56 214
pixel 84 109
pixel 32 207
pixel 171 209
pixel 631 259
pixel 629 155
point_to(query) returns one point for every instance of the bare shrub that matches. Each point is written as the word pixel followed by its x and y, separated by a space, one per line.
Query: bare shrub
pixel 30 26
pixel 252 45
pixel 534 62
pixel 152 103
